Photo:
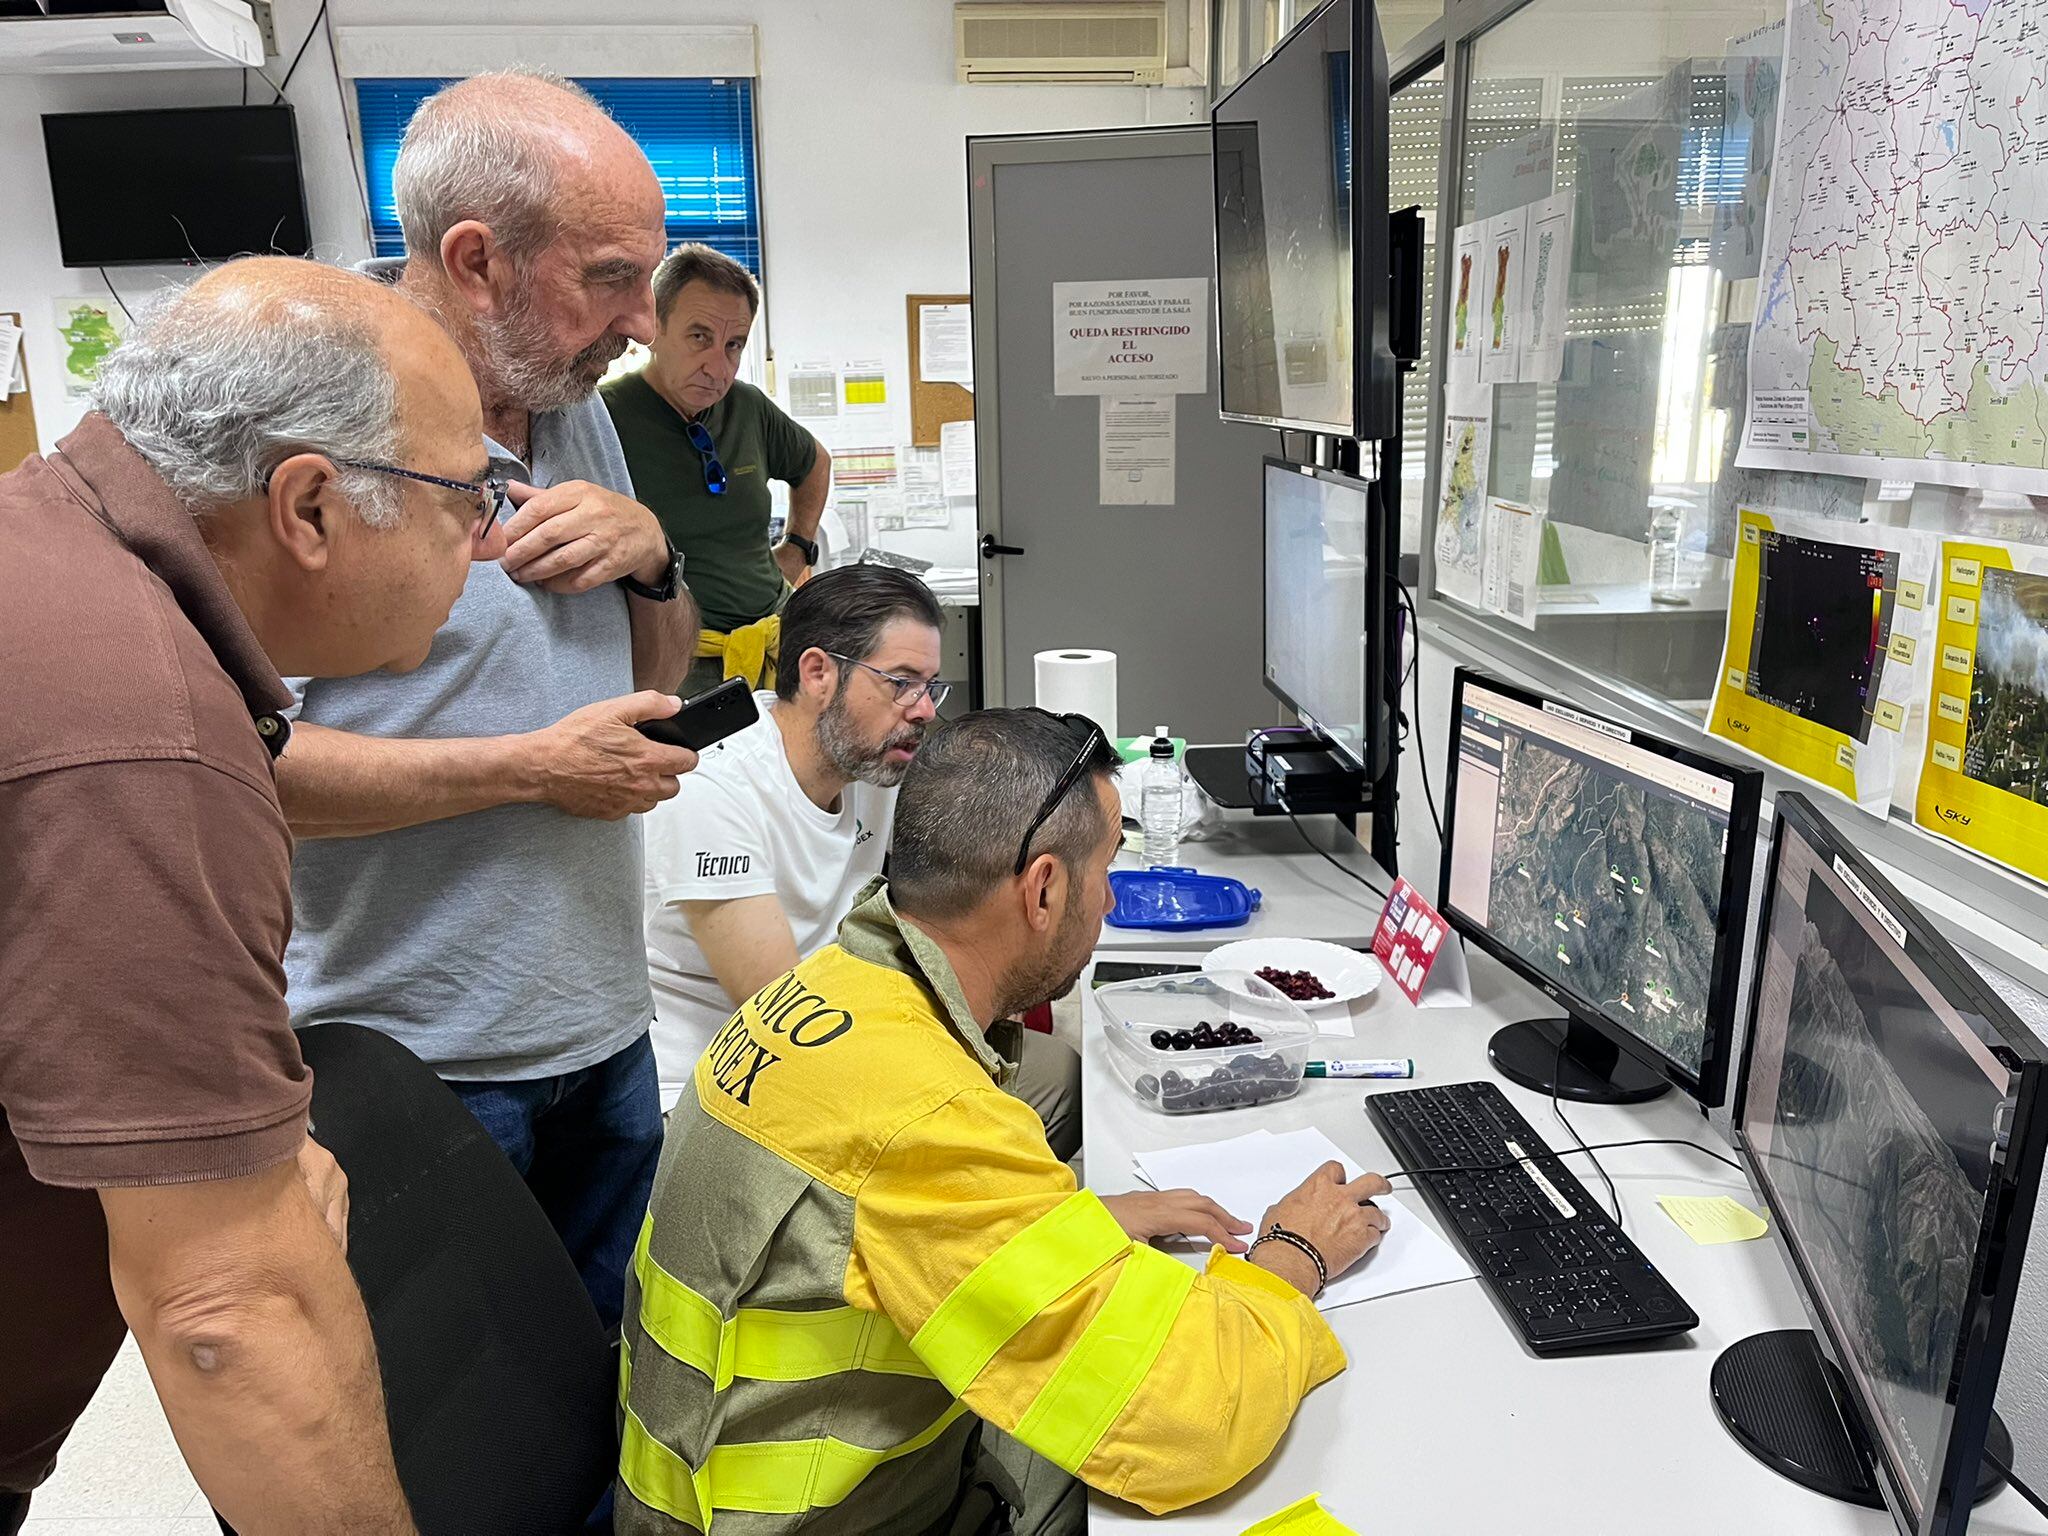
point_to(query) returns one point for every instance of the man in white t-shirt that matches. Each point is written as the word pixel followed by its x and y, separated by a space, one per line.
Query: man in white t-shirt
pixel 760 855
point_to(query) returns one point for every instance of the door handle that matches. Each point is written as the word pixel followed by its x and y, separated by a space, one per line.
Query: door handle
pixel 990 548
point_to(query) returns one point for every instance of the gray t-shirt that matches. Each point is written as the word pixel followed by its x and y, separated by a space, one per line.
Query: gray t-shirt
pixel 505 944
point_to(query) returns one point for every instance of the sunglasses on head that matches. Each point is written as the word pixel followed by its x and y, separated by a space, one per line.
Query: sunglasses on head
pixel 1095 752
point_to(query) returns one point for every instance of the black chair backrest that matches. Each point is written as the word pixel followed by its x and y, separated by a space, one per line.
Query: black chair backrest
pixel 499 1381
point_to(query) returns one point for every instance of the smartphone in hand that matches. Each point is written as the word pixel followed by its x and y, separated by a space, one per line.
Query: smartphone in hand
pixel 707 719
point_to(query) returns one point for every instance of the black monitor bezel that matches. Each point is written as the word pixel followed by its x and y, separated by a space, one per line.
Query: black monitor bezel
pixel 1373 372
pixel 86 261
pixel 1709 1084
pixel 2008 1208
pixel 1374 704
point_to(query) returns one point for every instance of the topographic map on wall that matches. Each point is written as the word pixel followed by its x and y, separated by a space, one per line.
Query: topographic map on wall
pixel 1902 324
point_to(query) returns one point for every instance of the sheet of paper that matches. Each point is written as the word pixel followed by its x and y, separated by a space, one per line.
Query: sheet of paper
pixel 1503 264
pixel 1514 552
pixel 1132 337
pixel 1465 307
pixel 1550 268
pixel 864 387
pixel 1461 517
pixel 870 465
pixel 1137 450
pixel 813 390
pixel 12 379
pixel 1713 1218
pixel 956 458
pixel 1248 1174
pixel 945 345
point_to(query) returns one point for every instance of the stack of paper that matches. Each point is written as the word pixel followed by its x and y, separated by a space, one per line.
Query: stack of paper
pixel 1247 1175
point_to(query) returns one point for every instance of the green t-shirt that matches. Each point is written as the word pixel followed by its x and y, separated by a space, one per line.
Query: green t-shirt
pixel 723 539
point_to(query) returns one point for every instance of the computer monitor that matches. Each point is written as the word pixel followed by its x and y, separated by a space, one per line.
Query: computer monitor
pixel 1302 237
pixel 1315 596
pixel 1890 1117
pixel 1611 869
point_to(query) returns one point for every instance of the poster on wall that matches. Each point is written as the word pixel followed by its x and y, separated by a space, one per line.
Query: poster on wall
pixel 1504 296
pixel 1461 515
pixel 1465 285
pixel 1825 625
pixel 1550 267
pixel 1130 338
pixel 1984 778
pixel 89 329
pixel 1137 448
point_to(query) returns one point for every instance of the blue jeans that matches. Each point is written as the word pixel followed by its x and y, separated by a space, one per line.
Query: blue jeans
pixel 586 1143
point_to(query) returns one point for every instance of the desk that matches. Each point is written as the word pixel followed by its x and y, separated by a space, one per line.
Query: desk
pixel 1445 1425
pixel 1304 898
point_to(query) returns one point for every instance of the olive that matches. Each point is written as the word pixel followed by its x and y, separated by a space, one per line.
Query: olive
pixel 1181 1040
pixel 1161 1039
pixel 1174 1083
pixel 1147 1086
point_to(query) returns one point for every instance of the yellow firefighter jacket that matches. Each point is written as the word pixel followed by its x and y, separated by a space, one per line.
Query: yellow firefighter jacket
pixel 859 1244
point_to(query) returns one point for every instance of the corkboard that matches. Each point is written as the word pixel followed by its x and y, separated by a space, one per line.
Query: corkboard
pixel 17 419
pixel 932 405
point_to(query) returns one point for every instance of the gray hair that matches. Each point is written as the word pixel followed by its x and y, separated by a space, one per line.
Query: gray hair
pixel 474 150
pixel 969 795
pixel 215 392
pixel 693 262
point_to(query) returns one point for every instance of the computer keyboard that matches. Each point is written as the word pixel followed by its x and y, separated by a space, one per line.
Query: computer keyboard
pixel 1565 1276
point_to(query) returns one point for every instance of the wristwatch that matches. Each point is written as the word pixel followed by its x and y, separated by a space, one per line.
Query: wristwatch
pixel 670 585
pixel 808 548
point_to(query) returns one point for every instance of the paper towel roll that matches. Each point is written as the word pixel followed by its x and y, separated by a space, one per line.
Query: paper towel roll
pixel 1080 683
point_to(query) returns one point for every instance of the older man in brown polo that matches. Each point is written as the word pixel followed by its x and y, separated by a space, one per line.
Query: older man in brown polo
pixel 280 476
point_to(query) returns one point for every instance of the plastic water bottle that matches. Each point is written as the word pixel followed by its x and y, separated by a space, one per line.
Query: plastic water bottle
pixel 1159 801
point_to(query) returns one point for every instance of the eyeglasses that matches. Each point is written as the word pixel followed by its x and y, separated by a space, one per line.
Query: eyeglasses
pixel 488 493
pixel 908 690
pixel 707 450
pixel 1096 752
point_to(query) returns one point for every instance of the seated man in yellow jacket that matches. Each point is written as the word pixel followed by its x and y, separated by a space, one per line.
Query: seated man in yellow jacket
pixel 862 1261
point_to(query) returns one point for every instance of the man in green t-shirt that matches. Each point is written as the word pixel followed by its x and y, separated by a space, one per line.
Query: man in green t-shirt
pixel 702 447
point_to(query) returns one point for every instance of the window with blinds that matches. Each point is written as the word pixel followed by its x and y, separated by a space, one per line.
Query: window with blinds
pixel 697 134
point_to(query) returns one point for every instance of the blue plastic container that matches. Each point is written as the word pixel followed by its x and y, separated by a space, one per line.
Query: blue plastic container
pixel 1179 898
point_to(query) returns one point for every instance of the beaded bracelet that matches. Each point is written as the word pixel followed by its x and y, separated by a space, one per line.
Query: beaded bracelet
pixel 1279 1234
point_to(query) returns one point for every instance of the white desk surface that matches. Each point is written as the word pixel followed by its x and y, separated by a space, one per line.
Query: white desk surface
pixel 1302 897
pixel 1444 1424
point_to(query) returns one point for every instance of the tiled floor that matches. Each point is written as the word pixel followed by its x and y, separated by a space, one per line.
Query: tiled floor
pixel 120 1473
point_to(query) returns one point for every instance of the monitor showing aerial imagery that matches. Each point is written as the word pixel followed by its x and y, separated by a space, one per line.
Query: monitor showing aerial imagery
pixel 1870 1111
pixel 1600 864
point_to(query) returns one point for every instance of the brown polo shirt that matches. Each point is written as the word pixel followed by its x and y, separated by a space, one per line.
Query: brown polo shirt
pixel 145 900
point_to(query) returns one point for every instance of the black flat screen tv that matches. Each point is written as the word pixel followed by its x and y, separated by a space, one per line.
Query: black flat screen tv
pixel 168 186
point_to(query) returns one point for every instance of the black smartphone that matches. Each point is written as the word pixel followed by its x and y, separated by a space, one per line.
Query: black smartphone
pixel 708 718
pixel 1107 971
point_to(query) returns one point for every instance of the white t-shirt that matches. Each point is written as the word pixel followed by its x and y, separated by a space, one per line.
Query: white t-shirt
pixel 741 826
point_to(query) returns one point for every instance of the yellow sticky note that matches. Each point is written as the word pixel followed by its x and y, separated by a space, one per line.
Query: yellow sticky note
pixel 1305 1517
pixel 1713 1218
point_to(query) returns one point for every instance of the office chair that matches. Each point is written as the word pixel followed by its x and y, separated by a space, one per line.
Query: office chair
pixel 499 1382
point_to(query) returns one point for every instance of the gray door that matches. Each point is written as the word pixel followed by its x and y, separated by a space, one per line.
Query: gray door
pixel 1173 590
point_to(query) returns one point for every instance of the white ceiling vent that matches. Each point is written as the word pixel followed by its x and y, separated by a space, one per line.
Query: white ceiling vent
pixel 1069 42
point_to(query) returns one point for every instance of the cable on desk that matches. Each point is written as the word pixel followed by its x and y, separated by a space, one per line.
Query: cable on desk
pixel 1598 1146
pixel 2018 1487
pixel 1557 1109
pixel 1342 868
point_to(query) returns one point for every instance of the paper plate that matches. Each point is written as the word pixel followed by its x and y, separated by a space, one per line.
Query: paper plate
pixel 1345 972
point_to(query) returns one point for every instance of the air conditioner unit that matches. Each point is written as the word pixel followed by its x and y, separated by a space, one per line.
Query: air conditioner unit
pixel 1067 42
pixel 132 34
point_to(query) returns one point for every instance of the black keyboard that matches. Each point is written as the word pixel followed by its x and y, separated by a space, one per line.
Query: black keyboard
pixel 1555 1263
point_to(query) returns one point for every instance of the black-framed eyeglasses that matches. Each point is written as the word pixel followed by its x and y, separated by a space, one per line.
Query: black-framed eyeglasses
pixel 908 690
pixel 707 450
pixel 488 493
pixel 1096 752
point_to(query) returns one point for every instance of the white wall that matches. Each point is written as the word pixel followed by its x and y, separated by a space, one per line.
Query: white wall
pixel 863 166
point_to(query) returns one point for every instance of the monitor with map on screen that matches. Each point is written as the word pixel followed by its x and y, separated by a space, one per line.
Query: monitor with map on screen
pixel 1889 1115
pixel 1611 869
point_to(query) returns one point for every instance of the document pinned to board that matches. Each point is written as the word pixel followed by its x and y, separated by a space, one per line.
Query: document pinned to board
pixel 945 345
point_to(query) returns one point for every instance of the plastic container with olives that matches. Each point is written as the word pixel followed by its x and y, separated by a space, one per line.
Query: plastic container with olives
pixel 1190 1044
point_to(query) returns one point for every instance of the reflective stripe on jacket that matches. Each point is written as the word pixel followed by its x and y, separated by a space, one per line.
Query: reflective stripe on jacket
pixel 859 1243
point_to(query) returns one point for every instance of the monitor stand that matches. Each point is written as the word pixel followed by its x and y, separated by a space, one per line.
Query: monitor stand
pixel 1593 1069
pixel 1785 1403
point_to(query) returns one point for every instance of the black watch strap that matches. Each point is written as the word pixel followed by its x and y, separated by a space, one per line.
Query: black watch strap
pixel 671 584
pixel 808 548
